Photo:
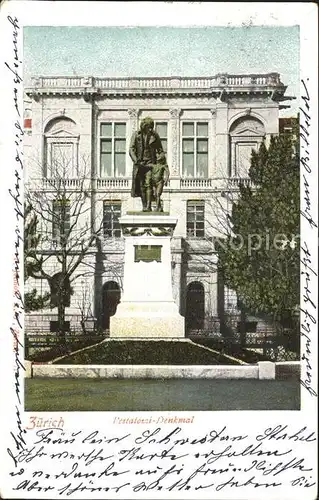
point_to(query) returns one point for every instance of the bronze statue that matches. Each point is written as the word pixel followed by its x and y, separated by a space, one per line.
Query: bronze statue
pixel 150 170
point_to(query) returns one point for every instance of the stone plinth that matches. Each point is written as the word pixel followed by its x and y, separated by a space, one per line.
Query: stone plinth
pixel 267 370
pixel 147 308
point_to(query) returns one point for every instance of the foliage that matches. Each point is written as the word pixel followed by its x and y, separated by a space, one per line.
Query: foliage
pixel 260 259
pixel 43 355
pixel 33 301
pixel 126 352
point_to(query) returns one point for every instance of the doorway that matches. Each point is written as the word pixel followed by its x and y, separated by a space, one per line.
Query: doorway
pixel 195 306
pixel 111 296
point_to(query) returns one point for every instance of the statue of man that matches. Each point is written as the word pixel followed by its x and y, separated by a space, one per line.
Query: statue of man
pixel 150 170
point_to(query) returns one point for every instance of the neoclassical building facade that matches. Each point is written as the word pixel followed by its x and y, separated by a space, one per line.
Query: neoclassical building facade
pixel 208 127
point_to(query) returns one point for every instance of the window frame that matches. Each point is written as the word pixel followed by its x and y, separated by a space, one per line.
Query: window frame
pixel 57 234
pixel 195 229
pixel 161 122
pixel 112 229
pixel 250 131
pixel 195 137
pixel 287 130
pixel 113 138
pixel 50 142
pixel 248 141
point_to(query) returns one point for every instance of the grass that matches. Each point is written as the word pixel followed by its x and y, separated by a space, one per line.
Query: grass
pixel 160 395
pixel 128 352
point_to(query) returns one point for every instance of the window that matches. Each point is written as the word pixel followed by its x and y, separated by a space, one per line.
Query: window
pixel 111 215
pixel 195 149
pixel 230 300
pixel 62 158
pixel 60 220
pixel 288 130
pixel 245 134
pixel 161 129
pixel 112 149
pixel 28 119
pixel 61 140
pixel 195 219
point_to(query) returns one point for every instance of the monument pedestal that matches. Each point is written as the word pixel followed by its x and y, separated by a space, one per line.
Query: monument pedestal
pixel 147 308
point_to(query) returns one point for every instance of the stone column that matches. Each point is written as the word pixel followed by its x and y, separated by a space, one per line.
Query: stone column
pixel 95 162
pixel 38 167
pixel 177 273
pixel 233 169
pixel 133 113
pixel 175 142
pixel 212 146
pixel 213 293
pixel 132 127
pixel 222 139
pixel 133 119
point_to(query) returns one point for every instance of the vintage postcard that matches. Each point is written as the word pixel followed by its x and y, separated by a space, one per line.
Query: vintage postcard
pixel 159 255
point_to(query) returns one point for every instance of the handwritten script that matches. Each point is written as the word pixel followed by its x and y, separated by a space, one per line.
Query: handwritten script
pixel 65 463
pixel 14 67
pixel 144 459
pixel 308 273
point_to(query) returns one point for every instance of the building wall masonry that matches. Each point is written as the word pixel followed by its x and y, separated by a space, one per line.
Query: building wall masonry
pixel 67 112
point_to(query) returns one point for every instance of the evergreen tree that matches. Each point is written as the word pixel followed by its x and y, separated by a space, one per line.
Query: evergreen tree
pixel 260 260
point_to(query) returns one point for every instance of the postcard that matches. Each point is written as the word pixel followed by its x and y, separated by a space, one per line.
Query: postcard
pixel 159 251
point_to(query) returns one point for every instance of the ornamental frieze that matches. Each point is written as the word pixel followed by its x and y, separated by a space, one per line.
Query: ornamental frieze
pixel 148 231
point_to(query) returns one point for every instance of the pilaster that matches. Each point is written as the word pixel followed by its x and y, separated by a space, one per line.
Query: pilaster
pixel 175 133
pixel 177 276
pixel 233 167
pixel 222 139
pixel 212 145
pixel 133 119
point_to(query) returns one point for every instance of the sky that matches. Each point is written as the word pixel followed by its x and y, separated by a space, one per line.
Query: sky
pixel 164 51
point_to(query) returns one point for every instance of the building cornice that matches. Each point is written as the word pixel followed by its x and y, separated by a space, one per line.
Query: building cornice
pixel 222 87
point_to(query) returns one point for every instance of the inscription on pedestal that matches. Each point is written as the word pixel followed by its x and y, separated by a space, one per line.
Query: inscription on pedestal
pixel 147 253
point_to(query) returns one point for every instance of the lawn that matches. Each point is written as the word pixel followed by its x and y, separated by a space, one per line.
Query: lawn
pixel 160 395
pixel 146 352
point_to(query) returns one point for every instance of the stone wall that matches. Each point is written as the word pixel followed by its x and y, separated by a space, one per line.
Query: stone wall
pixel 76 117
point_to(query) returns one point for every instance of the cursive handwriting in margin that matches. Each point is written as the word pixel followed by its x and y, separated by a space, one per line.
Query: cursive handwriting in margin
pixel 308 274
pixel 16 329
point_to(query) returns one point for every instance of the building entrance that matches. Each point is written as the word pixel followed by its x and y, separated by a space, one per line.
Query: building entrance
pixel 195 306
pixel 111 296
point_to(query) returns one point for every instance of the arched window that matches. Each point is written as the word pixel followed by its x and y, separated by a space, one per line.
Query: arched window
pixel 61 148
pixel 195 306
pixel 245 134
pixel 111 296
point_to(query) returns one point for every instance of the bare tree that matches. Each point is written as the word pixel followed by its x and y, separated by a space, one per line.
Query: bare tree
pixel 69 232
